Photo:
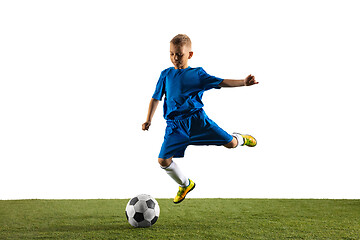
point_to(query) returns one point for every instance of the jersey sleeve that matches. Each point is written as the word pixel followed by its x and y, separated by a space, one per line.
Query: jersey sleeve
pixel 208 81
pixel 160 88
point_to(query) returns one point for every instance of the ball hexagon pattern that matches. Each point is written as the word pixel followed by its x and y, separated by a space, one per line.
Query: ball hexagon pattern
pixel 142 211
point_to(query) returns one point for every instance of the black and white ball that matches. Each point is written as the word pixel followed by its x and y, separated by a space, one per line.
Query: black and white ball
pixel 142 211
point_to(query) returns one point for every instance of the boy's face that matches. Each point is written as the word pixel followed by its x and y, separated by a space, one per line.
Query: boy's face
pixel 179 55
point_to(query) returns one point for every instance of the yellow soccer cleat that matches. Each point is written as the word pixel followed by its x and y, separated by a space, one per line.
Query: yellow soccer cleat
pixel 183 191
pixel 249 140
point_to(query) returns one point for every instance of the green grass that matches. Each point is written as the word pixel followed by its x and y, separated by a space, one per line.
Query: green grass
pixel 192 219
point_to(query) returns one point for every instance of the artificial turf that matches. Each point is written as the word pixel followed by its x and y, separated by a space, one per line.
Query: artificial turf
pixel 192 219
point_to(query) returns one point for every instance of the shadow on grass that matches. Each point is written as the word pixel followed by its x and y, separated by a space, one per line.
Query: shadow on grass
pixel 87 228
pixel 93 224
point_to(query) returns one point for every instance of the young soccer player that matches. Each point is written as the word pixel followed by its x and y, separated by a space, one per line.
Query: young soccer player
pixel 187 123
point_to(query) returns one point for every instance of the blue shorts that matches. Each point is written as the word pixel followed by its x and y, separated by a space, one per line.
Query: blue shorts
pixel 197 129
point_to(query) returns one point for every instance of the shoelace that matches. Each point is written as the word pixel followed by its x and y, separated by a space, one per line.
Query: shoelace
pixel 181 191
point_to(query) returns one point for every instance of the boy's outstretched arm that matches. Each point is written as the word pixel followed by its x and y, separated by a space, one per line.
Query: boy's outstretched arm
pixel 248 81
pixel 152 108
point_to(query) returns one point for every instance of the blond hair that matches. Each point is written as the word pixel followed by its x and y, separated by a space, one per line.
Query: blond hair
pixel 181 40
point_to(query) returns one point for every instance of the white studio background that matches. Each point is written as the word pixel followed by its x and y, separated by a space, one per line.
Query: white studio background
pixel 76 78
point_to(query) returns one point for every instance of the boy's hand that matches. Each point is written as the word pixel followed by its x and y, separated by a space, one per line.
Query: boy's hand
pixel 146 126
pixel 250 80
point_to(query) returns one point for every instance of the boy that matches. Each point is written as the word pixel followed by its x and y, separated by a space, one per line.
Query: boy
pixel 187 123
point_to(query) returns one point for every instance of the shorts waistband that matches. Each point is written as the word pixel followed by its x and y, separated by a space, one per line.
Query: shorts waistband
pixel 185 116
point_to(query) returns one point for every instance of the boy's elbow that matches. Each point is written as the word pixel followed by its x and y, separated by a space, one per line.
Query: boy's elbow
pixel 222 84
pixel 225 83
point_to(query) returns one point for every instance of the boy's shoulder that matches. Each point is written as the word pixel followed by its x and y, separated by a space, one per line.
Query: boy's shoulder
pixel 167 70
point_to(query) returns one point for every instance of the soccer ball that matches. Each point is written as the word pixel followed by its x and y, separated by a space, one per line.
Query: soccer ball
pixel 142 211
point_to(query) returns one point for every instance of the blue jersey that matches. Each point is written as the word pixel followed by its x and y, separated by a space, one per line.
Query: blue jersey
pixel 183 90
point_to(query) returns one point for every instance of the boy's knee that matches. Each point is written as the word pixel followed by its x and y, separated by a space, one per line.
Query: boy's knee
pixel 164 162
pixel 232 144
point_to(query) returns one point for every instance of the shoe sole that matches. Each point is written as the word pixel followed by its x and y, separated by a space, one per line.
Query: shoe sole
pixel 185 195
